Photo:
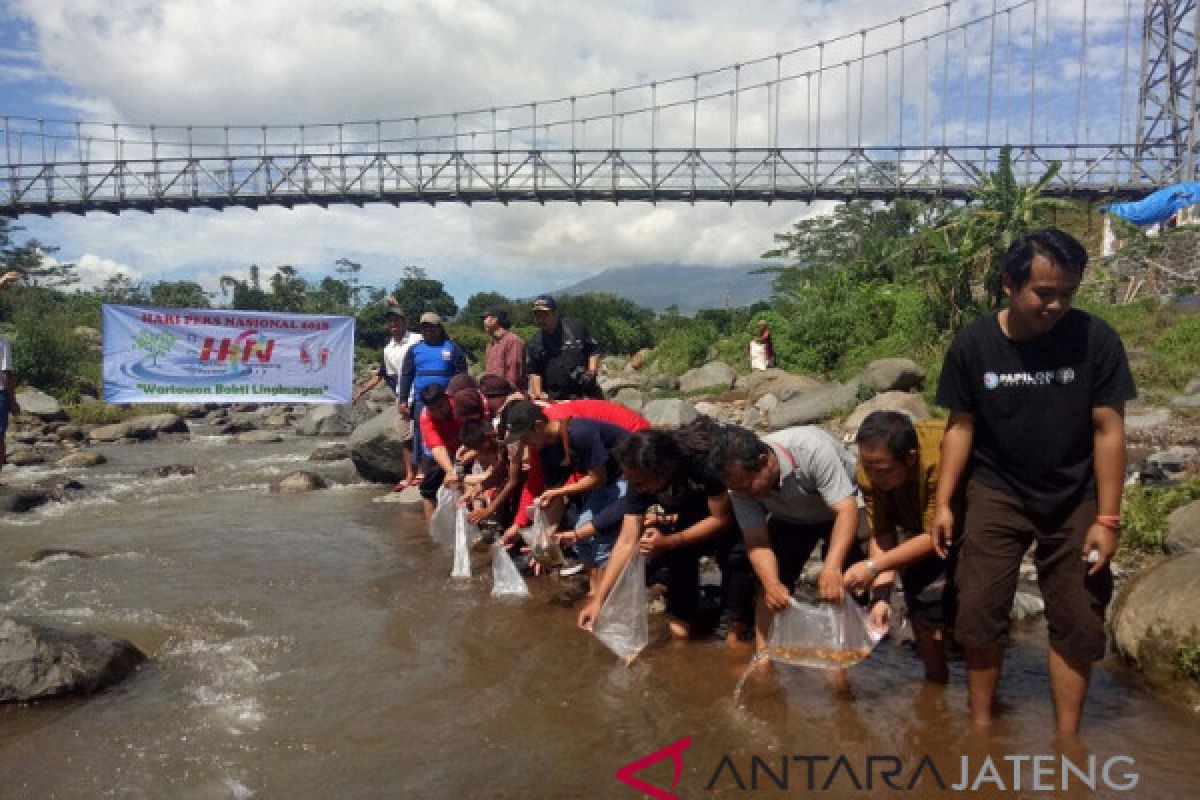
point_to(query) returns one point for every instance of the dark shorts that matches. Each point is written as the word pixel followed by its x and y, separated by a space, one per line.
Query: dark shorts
pixel 432 480
pixel 930 596
pixel 5 405
pixel 998 531
pixel 794 542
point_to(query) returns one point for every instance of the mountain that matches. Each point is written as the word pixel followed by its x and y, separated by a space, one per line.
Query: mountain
pixel 689 288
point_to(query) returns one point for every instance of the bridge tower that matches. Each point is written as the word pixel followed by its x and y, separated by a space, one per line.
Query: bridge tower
pixel 1168 90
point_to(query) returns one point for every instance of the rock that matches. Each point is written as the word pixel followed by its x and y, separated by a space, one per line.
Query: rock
pixel 1193 386
pixel 70 433
pixel 89 336
pixel 38 662
pixel 631 398
pixel 639 359
pixel 906 402
pixel 669 412
pixel 1155 613
pixel 328 419
pixel 258 437
pixel 408 497
pixel 1183 529
pixel 1175 459
pixel 708 409
pixel 780 383
pixel 56 552
pixel 1146 419
pixel 82 458
pixel 613 384
pixel 168 470
pixel 1027 605
pixel 192 410
pixel 893 374
pixel 713 375
pixel 765 403
pixel 25 457
pixel 139 428
pixel 376 451
pixel 330 452
pixel 19 501
pixel 662 382
pixel 300 481
pixel 752 418
pixel 276 422
pixel 812 406
pixel 232 428
pixel 26 437
pixel 1187 401
pixel 39 404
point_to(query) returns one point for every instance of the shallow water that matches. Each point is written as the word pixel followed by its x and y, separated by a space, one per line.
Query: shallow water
pixel 310 646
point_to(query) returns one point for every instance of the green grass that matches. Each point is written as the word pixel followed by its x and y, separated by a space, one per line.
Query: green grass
pixel 1145 511
pixel 1189 660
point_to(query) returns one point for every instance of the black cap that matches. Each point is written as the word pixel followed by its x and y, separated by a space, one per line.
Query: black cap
pixel 519 418
pixel 544 302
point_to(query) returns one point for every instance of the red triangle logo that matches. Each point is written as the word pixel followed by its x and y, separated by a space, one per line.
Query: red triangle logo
pixel 627 774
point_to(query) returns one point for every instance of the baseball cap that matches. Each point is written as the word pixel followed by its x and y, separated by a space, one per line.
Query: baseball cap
pixel 544 302
pixel 430 318
pixel 519 419
pixel 495 386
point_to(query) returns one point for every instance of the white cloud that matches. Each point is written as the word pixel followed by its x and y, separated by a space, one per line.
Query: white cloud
pixel 94 270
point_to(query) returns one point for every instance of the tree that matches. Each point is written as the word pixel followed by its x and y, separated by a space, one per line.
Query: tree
pixel 418 293
pixel 350 269
pixel 121 288
pixel 289 290
pixel 30 258
pixel 248 295
pixel 179 294
pixel 478 303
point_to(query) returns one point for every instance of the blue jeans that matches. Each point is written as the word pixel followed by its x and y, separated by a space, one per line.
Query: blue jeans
pixel 594 551
pixel 5 405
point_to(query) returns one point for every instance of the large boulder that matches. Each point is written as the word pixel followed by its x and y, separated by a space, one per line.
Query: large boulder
pixel 630 398
pixel 25 456
pixel 1144 419
pixel 893 374
pixel 639 359
pixel 330 452
pixel 662 381
pixel 38 662
pixel 1193 386
pixel 1155 614
pixel 669 412
pixel 139 428
pixel 813 406
pixel 24 499
pixel 906 402
pixel 713 375
pixel 1183 529
pixel 81 458
pixel 780 383
pixel 328 419
pixel 376 450
pixel 39 404
pixel 300 481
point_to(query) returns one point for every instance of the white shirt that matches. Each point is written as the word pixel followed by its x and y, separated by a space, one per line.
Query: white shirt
pixel 5 356
pixel 393 355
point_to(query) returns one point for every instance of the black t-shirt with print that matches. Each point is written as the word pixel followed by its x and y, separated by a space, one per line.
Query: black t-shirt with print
pixel 1032 403
pixel 560 357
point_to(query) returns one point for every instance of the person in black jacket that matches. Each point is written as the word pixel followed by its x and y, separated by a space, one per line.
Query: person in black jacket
pixel 562 357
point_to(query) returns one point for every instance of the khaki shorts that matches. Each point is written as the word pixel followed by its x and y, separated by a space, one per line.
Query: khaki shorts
pixel 998 531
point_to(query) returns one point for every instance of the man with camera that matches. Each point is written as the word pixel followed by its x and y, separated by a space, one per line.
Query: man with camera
pixel 562 357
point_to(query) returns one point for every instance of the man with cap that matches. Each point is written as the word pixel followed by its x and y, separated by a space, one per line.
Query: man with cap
pixel 505 354
pixel 562 357
pixel 433 360
pixel 440 428
pixel 390 366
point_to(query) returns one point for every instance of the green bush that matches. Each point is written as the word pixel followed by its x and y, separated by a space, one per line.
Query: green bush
pixel 1189 660
pixel 684 343
pixel 1145 512
pixel 46 352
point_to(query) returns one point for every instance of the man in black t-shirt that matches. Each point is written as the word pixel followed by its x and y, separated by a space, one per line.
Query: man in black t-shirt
pixel 562 357
pixel 1036 434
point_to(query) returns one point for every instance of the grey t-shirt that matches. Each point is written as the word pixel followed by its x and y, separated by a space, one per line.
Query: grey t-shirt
pixel 815 472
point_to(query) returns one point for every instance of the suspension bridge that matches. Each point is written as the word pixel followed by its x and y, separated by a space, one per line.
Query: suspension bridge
pixel 915 106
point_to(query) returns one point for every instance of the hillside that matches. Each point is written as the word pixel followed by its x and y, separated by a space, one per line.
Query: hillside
pixel 689 288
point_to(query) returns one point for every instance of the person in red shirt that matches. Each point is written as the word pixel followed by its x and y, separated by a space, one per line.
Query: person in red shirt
pixel 440 430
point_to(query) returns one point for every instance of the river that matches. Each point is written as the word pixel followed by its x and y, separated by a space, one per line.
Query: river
pixel 309 646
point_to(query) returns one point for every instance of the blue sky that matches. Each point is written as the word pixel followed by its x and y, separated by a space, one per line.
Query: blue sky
pixel 290 61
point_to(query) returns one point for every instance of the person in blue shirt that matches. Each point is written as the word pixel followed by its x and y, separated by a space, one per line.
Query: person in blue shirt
pixel 435 359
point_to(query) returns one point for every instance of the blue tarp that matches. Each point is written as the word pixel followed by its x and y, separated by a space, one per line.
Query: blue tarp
pixel 1159 206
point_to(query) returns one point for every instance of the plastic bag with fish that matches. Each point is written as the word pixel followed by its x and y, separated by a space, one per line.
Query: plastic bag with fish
pixel 506 580
pixel 462 545
pixel 822 635
pixel 441 524
pixel 621 624
pixel 544 545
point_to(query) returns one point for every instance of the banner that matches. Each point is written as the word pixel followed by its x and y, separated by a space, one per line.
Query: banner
pixel 188 355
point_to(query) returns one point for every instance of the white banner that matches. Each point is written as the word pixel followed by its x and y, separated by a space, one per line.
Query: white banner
pixel 188 355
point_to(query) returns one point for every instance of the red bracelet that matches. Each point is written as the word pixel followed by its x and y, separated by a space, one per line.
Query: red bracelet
pixel 1112 521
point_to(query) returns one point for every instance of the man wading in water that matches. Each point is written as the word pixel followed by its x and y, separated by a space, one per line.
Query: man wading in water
pixel 1037 395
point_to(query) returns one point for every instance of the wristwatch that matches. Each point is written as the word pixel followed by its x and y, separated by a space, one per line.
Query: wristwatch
pixel 874 569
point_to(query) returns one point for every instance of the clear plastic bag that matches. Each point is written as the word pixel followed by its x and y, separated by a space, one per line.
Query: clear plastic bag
pixel 441 524
pixel 544 547
pixel 506 581
pixel 621 624
pixel 462 545
pixel 822 635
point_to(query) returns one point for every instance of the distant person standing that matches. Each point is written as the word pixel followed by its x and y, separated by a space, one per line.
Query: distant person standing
pixel 505 354
pixel 762 351
pixel 8 387
pixel 562 358
pixel 390 367
pixel 434 359
pixel 1036 394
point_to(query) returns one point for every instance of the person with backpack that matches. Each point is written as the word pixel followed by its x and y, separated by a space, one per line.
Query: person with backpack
pixel 562 358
